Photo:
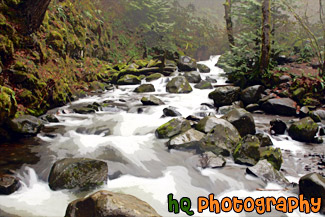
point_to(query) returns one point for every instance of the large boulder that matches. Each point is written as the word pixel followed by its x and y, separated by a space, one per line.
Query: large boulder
pixel 252 94
pixel 225 95
pixel 145 88
pixel 8 104
pixel 187 139
pixel 242 120
pixel 203 68
pixel 265 171
pixel 313 186
pixel 206 124
pixel 8 184
pixel 193 76
pixel 210 160
pixel 179 85
pixel 26 125
pixel 106 203
pixel 172 128
pixel 77 173
pixel 272 155
pixel 186 64
pixel 304 130
pixel 153 77
pixel 129 80
pixel 151 100
pixel 247 152
pixel 280 106
pixel 222 139
pixel 203 85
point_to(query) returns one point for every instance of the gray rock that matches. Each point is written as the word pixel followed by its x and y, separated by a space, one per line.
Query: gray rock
pixel 278 127
pixel 151 100
pixel 186 64
pixel 320 113
pixel 145 88
pixel 285 78
pixel 77 173
pixel 50 118
pixel 264 170
pixel 187 139
pixel 247 152
pixel 252 94
pixel 153 77
pixel 227 108
pixel 193 76
pixel 203 68
pixel 203 85
pixel 210 160
pixel 252 107
pixel 242 120
pixel 206 124
pixel 106 203
pixel 313 186
pixel 211 80
pixel 171 112
pixel 8 184
pixel 172 128
pixel 304 130
pixel 224 95
pixel 179 85
pixel 304 111
pixel 265 139
pixel 222 139
pixel 26 125
pixel 129 80
pixel 281 106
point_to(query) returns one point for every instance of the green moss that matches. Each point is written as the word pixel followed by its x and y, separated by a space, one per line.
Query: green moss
pixel 6 48
pixel 154 76
pixel 8 104
pixel 273 156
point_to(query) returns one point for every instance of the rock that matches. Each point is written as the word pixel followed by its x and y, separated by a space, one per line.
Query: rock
pixel 151 100
pixel 224 95
pixel 172 128
pixel 222 139
pixel 77 173
pixel 187 139
pixel 51 118
pixel 227 108
pixel 304 111
pixel 265 139
pixel 8 104
pixel 320 113
pixel 285 78
pixel 281 106
pixel 315 116
pixel 272 155
pixel 193 76
pixel 186 64
pixel 206 124
pixel 247 152
pixel 210 160
pixel 145 88
pixel 129 80
pixel 179 85
pixel 26 125
pixel 154 76
pixel 313 186
pixel 203 68
pixel 203 85
pixel 252 107
pixel 242 120
pixel 265 171
pixel 298 94
pixel 84 110
pixel 154 63
pixel 252 94
pixel 171 112
pixel 304 130
pixel 211 80
pixel 106 203
pixel 278 127
pixel 8 184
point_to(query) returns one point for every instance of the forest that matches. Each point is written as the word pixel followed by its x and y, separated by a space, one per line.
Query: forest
pixel 134 100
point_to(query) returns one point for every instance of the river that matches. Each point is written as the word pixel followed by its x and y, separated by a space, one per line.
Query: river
pixel 139 163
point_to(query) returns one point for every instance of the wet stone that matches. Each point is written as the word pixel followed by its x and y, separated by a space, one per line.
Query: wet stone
pixel 8 184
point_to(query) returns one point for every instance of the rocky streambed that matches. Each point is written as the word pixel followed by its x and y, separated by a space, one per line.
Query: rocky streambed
pixel 187 133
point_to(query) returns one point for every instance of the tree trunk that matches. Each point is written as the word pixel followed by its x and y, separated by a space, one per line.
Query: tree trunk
pixel 266 30
pixel 230 34
pixel 33 12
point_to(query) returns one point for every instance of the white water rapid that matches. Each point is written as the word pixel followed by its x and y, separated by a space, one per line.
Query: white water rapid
pixel 139 163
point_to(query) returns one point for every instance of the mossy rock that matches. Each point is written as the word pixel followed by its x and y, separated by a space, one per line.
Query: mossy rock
pixel 151 100
pixel 129 80
pixel 26 125
pixel 247 151
pixel 144 88
pixel 304 130
pixel 172 128
pixel 141 63
pixel 203 85
pixel 272 155
pixel 27 97
pixel 8 104
pixel 298 94
pixel 154 76
pixel 179 85
pixel 6 48
pixel 154 63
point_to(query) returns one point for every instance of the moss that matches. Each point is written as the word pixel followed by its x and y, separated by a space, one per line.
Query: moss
pixel 6 48
pixel 154 76
pixel 273 156
pixel 141 63
pixel 8 104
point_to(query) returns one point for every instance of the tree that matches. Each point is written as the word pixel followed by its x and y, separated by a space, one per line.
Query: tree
pixel 266 31
pixel 229 25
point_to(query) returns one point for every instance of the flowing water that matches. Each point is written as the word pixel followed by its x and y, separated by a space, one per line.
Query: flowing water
pixel 139 164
